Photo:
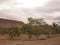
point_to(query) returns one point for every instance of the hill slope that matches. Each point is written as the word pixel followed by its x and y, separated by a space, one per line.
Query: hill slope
pixel 4 23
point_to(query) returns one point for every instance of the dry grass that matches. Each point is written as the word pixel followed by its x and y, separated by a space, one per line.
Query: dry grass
pixel 50 41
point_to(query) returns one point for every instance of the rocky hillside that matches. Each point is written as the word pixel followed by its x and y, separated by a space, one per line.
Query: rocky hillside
pixel 4 23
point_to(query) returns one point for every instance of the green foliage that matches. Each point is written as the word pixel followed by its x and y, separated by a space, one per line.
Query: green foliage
pixel 27 29
pixel 13 32
pixel 33 27
pixel 55 28
pixel 36 22
pixel 58 30
pixel 2 31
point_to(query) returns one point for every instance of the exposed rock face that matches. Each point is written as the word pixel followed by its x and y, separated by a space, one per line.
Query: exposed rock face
pixel 5 23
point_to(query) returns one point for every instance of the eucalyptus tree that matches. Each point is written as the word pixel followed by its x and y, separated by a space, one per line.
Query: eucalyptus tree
pixel 37 26
pixel 58 30
pixel 37 31
pixel 2 31
pixel 13 32
pixel 36 22
pixel 55 27
pixel 27 29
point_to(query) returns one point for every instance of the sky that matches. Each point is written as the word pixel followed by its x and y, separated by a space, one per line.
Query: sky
pixel 22 9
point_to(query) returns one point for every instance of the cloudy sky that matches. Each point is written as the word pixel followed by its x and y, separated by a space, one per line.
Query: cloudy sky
pixel 23 9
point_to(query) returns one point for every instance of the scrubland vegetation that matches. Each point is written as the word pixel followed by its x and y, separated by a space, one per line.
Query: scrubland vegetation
pixel 34 27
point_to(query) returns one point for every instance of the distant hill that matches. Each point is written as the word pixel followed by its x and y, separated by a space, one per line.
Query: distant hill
pixel 5 23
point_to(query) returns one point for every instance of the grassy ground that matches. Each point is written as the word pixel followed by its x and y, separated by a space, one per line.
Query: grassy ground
pixel 50 41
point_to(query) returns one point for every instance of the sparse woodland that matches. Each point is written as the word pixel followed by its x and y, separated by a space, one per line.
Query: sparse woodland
pixel 34 27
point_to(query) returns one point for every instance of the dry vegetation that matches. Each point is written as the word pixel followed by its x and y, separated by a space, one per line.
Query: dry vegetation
pixel 51 41
pixel 35 32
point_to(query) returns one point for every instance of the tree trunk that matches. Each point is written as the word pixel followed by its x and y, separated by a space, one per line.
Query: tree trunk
pixel 30 37
pixel 37 36
pixel 11 37
pixel 48 35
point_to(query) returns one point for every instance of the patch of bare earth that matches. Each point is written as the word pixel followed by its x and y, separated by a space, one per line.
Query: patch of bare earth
pixel 50 41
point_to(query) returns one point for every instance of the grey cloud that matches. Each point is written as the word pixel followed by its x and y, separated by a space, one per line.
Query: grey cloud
pixel 2 1
pixel 57 18
pixel 6 16
pixel 39 12
pixel 52 6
